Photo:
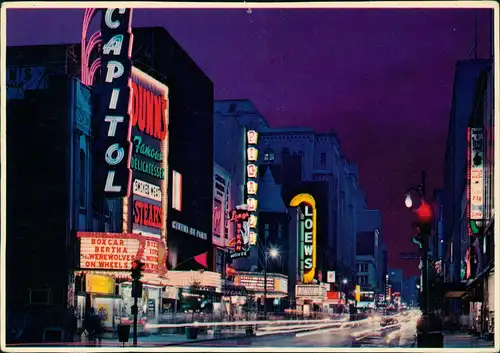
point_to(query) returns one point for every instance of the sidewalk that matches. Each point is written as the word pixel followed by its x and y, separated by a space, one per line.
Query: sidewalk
pixel 463 340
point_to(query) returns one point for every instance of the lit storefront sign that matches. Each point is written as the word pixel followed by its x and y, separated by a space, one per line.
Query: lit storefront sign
pixel 145 211
pixel 112 96
pixel 476 176
pixel 312 291
pixel 147 190
pixel 116 251
pixel 252 184
pixel 99 284
pixel 255 282
pixel 307 238
pixel 357 293
pixel 189 230
pixel 330 277
pixel 241 241
pixel 187 278
pixel 220 210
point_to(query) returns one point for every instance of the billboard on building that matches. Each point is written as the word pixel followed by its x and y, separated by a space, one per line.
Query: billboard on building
pixel 112 94
pixel 307 236
pixel 117 251
pixel 476 174
pixel 220 210
pixel 144 212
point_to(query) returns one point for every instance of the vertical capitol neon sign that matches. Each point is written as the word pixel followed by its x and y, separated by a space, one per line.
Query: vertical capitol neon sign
pixel 307 239
pixel 251 183
pixel 113 98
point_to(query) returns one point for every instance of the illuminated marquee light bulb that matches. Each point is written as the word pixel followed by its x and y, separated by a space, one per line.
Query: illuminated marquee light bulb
pixel 252 137
pixel 252 204
pixel 252 154
pixel 253 221
pixel 252 187
pixel 253 238
pixel 252 170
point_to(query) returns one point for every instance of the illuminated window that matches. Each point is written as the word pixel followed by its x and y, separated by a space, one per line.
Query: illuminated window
pixel 176 191
pixel 269 155
pixel 83 179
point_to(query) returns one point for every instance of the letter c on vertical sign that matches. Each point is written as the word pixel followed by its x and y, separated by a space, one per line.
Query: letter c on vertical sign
pixel 108 18
pixel 308 199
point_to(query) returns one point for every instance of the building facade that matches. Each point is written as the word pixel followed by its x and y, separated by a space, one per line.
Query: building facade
pixel 370 221
pixel 410 292
pixel 396 280
pixel 44 82
pixel 322 160
pixel 467 200
pixel 232 121
pixel 60 111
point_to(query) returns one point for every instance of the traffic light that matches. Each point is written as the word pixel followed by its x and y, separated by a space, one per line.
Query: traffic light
pixel 424 218
pixel 137 266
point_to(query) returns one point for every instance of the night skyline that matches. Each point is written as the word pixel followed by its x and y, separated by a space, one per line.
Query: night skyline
pixel 330 82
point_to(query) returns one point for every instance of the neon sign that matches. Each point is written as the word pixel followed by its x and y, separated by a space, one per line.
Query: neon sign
pixel 140 165
pixel 118 250
pixel 146 150
pixel 149 112
pixel 113 101
pixel 241 239
pixel 307 245
pixel 476 177
pixel 148 215
pixel 252 185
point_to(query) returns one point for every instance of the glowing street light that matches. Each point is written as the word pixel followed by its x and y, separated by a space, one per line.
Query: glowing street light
pixel 408 201
pixel 273 253
pixel 344 281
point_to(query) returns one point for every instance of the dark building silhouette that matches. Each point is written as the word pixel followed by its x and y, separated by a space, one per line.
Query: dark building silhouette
pixel 49 169
pixel 38 199
pixel 190 140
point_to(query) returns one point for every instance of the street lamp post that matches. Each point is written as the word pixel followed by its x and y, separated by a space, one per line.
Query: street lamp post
pixel 420 189
pixel 429 329
pixel 344 282
pixel 273 253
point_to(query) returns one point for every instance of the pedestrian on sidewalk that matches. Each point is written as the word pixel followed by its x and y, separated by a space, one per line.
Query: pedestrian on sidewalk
pixel 70 325
pixel 89 329
pixel 98 327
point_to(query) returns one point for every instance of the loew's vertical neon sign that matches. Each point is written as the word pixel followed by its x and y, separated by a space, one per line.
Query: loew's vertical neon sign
pixel 112 103
pixel 307 248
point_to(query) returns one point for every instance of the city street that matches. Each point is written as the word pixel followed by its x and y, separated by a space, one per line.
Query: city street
pixel 249 177
pixel 358 334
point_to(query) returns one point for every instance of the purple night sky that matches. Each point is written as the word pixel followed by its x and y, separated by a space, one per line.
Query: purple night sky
pixel 382 79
